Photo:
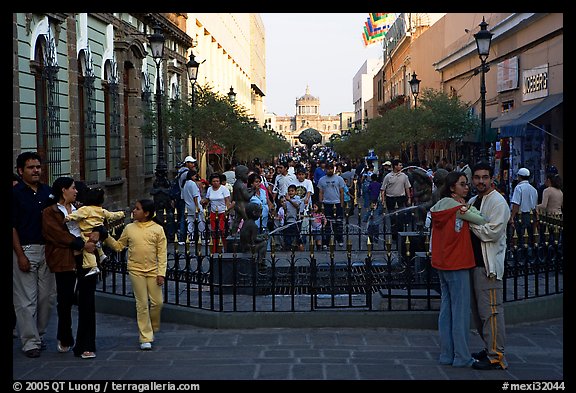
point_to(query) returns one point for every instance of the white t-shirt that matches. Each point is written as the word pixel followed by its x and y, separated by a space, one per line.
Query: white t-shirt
pixel 302 188
pixel 190 191
pixel 216 198
pixel 282 183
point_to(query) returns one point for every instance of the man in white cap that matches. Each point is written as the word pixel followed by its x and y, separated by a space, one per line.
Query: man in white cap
pixel 386 169
pixel 523 201
pixel 189 163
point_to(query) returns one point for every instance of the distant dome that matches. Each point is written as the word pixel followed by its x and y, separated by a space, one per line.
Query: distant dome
pixel 308 96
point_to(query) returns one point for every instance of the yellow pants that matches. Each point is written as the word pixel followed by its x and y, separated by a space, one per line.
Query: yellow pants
pixel 89 258
pixel 148 315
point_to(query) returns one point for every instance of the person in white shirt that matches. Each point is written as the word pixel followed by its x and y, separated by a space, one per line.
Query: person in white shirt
pixel 191 196
pixel 283 180
pixel 489 246
pixel 524 200
pixel 304 189
pixel 189 164
pixel 230 173
pixel 218 197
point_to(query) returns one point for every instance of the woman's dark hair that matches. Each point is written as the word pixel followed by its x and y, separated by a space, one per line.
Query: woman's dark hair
pixel 450 181
pixel 213 176
pixel 94 197
pixel 149 208
pixel 252 177
pixel 59 184
pixel 555 180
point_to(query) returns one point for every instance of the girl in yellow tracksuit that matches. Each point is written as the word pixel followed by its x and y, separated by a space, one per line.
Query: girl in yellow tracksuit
pixel 147 260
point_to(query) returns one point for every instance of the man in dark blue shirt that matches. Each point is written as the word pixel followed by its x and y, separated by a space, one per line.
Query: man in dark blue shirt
pixel 33 285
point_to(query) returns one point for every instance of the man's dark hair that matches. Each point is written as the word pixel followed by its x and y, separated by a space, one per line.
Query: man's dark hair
pixel 25 156
pixel 395 162
pixel 483 165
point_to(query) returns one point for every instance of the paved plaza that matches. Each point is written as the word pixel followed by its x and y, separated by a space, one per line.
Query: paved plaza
pixel 189 353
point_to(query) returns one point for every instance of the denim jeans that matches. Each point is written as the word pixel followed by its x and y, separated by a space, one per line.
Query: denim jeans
pixel 454 318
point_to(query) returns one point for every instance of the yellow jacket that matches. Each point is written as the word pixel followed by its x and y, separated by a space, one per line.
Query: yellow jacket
pixel 89 217
pixel 147 248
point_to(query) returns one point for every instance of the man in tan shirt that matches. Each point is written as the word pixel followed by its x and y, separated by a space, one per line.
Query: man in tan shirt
pixel 395 191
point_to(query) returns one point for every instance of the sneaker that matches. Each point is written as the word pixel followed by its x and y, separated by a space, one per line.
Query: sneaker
pixel 324 248
pixel 92 271
pixel 340 244
pixel 181 243
pixel 88 355
pixel 485 364
pixel 146 346
pixel 483 354
pixel 104 259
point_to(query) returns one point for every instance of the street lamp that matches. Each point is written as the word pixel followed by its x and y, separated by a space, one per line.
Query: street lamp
pixel 483 39
pixel 161 184
pixel 415 87
pixel 232 95
pixel 192 69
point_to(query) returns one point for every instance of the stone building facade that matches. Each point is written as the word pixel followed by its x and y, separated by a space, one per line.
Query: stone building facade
pixel 308 116
pixel 82 80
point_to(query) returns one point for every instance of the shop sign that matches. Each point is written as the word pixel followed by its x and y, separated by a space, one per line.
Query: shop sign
pixel 535 83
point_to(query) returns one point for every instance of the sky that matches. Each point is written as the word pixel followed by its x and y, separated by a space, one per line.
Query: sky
pixel 321 51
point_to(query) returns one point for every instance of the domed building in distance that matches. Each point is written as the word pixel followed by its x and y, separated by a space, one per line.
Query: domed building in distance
pixel 308 116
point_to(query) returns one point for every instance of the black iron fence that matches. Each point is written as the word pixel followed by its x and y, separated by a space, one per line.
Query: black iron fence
pixel 376 266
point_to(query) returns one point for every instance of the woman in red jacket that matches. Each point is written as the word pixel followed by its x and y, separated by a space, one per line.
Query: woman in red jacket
pixel 453 257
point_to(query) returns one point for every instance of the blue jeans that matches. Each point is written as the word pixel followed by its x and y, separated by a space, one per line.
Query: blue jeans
pixel 454 318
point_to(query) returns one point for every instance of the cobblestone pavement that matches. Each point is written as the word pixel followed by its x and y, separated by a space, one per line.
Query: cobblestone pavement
pixel 188 353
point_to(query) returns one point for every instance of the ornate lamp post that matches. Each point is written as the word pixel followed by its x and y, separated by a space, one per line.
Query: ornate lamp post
pixel 161 184
pixel 415 87
pixel 232 95
pixel 483 39
pixel 192 68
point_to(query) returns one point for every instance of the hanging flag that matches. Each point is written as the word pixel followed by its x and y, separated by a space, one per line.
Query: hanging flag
pixel 376 26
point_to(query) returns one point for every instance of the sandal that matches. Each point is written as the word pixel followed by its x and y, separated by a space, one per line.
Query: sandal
pixel 88 355
pixel 62 349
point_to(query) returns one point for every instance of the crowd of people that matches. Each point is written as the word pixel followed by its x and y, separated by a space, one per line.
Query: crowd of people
pixel 302 196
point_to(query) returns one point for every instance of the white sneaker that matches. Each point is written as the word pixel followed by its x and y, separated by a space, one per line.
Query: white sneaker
pixel 92 271
pixel 341 244
pixel 146 346
pixel 181 243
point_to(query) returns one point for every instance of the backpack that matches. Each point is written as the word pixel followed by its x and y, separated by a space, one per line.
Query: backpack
pixel 175 188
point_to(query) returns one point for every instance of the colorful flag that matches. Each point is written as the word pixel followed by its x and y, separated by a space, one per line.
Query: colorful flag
pixel 376 26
